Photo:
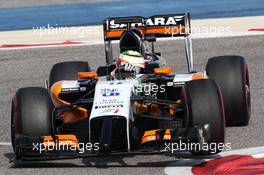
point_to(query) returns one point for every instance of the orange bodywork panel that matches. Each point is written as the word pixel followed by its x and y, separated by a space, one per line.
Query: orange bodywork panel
pixel 69 140
pixel 150 136
pixel 172 110
pixel 73 115
pixel 199 75
pixel 86 75
pixel 165 70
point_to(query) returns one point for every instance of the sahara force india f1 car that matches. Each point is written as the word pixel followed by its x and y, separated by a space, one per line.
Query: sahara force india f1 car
pixel 113 111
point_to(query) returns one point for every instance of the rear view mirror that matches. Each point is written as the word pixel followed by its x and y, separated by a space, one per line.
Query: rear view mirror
pixel 150 38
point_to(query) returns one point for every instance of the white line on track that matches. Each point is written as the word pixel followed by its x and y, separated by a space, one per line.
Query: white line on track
pixel 51 46
pixel 5 144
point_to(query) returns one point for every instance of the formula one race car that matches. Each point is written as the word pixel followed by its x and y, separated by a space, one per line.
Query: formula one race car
pixel 134 104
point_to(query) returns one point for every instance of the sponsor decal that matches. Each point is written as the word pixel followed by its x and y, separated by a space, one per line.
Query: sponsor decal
pixel 70 86
pixel 70 90
pixel 108 106
pixel 154 21
pixel 114 111
pixel 110 92
pixel 110 102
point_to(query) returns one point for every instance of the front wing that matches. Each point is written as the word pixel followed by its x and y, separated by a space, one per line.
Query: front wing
pixel 68 147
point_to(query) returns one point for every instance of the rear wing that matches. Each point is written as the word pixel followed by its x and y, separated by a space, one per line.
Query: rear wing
pixel 171 25
pixel 158 26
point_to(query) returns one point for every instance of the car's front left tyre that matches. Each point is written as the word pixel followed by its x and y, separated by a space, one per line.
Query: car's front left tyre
pixel 204 106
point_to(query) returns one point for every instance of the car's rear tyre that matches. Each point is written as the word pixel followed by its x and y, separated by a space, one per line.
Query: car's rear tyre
pixel 205 106
pixel 231 73
pixel 67 71
pixel 31 113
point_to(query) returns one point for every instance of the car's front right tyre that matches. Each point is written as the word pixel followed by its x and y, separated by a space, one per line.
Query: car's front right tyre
pixel 31 114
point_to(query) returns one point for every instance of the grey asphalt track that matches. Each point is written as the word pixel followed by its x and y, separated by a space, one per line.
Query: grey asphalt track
pixel 30 67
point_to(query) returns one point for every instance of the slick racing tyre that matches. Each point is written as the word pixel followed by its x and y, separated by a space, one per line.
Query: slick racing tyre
pixel 31 114
pixel 67 71
pixel 205 106
pixel 231 74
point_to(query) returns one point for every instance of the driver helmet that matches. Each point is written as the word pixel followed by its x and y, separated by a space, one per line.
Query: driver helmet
pixel 131 61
